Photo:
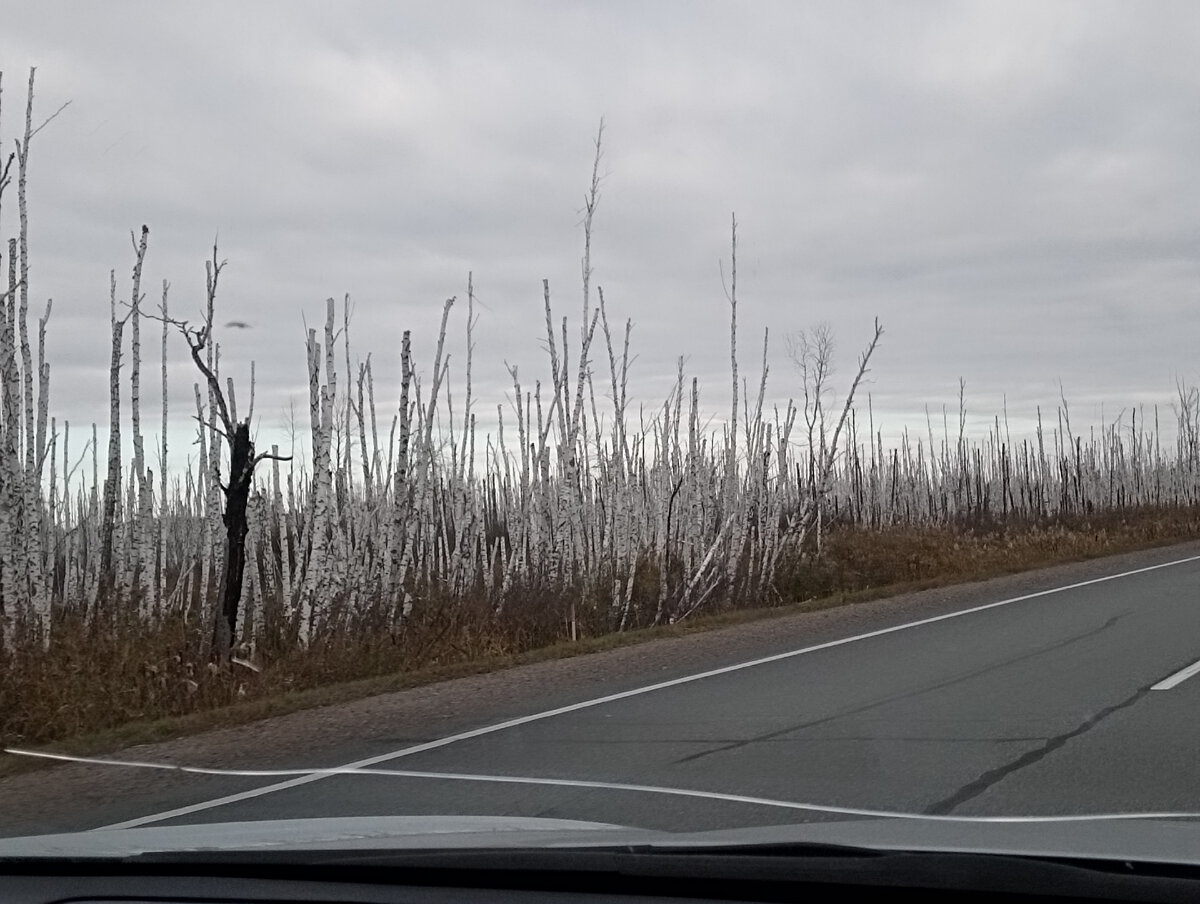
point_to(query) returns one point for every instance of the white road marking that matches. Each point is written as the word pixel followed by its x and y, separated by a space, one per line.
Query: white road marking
pixel 611 698
pixel 1178 678
pixel 620 786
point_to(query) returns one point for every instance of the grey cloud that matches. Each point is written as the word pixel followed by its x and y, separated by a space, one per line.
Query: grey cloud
pixel 1008 187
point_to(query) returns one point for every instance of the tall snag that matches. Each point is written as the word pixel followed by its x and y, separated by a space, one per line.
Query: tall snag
pixel 242 462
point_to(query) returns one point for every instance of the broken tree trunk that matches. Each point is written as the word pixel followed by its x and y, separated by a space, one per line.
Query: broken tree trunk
pixel 237 496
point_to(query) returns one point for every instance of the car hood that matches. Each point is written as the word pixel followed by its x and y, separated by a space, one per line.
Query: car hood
pixel 1150 840
pixel 334 833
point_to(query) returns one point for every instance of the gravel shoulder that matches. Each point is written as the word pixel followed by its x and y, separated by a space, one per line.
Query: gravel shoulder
pixel 41 800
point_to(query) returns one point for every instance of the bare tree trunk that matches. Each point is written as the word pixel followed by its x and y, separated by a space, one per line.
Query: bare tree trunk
pixel 401 491
pixel 282 525
pixel 31 580
pixel 242 462
pixel 161 565
pixel 237 495
pixel 314 563
pixel 141 516
pixel 731 462
pixel 11 547
pixel 112 482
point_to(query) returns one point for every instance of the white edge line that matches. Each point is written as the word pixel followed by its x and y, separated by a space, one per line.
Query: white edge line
pixel 1178 678
pixel 610 698
pixel 623 786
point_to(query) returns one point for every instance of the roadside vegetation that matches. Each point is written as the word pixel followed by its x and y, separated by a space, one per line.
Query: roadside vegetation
pixel 404 538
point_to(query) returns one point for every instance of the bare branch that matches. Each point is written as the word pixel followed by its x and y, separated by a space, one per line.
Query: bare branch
pixel 5 174
pixel 49 119
pixel 863 370
pixel 211 425
pixel 270 456
pixel 4 295
pixel 197 339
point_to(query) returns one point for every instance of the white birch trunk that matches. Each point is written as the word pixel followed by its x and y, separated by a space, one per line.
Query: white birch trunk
pixel 161 564
pixel 109 558
pixel 12 547
pixel 208 540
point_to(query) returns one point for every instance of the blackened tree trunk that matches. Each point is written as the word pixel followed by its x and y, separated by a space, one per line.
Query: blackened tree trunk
pixel 237 496
pixel 242 462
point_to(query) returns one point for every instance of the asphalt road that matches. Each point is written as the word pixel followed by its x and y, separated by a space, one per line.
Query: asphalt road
pixel 1069 698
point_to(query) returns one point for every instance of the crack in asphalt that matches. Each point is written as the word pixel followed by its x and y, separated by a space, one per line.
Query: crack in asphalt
pixel 908 739
pixel 981 784
pixel 929 739
pixel 893 698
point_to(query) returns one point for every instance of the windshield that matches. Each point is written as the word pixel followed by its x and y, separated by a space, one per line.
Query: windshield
pixel 825 372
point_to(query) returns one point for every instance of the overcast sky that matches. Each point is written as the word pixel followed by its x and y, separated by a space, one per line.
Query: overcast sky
pixel 1013 189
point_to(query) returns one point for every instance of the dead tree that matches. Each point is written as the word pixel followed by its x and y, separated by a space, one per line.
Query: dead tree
pixel 242 462
pixel 812 354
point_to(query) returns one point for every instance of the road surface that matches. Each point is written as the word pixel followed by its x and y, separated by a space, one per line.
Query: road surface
pixel 1069 690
